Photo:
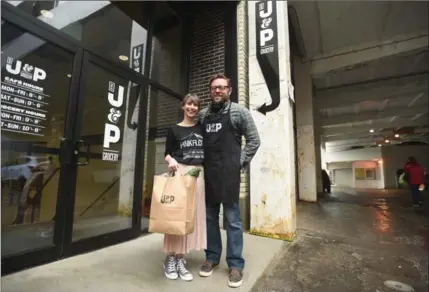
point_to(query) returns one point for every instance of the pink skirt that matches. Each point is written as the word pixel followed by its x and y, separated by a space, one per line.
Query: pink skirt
pixel 196 240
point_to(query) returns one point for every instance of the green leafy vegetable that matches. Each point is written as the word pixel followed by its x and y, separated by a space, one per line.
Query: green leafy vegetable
pixel 194 172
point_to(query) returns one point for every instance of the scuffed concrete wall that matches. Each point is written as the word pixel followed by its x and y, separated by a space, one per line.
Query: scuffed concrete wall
pixel 307 179
pixel 308 150
pixel 129 142
pixel 243 97
pixel 272 174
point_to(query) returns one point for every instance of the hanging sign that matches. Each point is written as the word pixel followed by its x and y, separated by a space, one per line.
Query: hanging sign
pixel 137 58
pixel 267 52
pixel 24 104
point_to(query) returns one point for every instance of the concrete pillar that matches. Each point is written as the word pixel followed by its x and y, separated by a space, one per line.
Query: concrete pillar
pixel 308 149
pixel 129 142
pixel 318 150
pixel 272 172
pixel 323 155
pixel 243 98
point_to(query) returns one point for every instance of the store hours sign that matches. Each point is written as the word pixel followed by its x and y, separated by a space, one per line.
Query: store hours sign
pixel 24 104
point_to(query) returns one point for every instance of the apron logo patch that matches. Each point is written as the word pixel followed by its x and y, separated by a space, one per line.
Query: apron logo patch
pixel 213 128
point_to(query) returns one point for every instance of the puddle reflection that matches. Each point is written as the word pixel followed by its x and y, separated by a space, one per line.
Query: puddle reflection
pixel 383 218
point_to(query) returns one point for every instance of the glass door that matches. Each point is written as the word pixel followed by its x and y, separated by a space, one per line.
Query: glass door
pixel 35 98
pixel 70 140
pixel 108 179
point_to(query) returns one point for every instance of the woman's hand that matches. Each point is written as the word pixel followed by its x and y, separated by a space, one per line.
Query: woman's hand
pixel 173 166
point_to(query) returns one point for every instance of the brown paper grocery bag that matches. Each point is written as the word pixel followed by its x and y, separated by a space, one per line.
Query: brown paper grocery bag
pixel 172 209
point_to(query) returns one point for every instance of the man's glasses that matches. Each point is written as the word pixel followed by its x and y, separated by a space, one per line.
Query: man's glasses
pixel 220 87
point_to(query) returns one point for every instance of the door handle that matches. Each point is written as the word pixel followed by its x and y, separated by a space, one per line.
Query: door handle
pixel 66 151
pixel 80 143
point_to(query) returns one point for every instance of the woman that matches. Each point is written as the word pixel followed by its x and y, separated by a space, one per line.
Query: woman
pixel 183 151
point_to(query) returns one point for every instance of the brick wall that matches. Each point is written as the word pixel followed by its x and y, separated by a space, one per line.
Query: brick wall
pixel 207 51
pixel 206 59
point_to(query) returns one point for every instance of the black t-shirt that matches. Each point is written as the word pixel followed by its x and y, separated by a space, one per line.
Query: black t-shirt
pixel 185 144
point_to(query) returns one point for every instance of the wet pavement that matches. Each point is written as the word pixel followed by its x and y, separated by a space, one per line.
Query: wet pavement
pixel 354 241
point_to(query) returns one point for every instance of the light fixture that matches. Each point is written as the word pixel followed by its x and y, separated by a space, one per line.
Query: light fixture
pixel 123 58
pixel 371 131
pixel 69 75
pixel 396 135
pixel 47 13
pixel 379 145
pixel 387 141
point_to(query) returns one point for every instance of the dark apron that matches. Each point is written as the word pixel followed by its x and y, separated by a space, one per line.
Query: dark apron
pixel 222 152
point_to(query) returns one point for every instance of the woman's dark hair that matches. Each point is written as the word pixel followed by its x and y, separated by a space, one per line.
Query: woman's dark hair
pixel 412 160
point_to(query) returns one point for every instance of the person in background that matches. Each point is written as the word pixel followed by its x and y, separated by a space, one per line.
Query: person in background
pixel 184 151
pixel 414 175
pixel 224 124
pixel 326 181
pixel 426 175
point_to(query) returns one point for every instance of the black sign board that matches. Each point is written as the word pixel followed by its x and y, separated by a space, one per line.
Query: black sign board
pixel 137 58
pixel 267 52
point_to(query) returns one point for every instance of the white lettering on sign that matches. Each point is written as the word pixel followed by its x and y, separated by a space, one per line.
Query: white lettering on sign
pixel 213 128
pixel 266 34
pixel 137 58
pixel 27 71
pixel 109 156
pixel 24 104
pixel 112 133
pixel 120 98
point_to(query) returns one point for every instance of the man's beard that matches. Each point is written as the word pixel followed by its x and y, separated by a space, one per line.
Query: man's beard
pixel 219 99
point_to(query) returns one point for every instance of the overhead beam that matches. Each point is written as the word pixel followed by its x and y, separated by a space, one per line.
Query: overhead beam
pixel 339 61
pixel 368 135
pixel 375 138
pixel 410 86
pixel 368 144
pixel 351 143
pixel 362 116
pixel 348 147
pixel 422 121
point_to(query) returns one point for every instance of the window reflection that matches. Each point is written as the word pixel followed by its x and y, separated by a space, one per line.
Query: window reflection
pixel 35 92
pixel 99 25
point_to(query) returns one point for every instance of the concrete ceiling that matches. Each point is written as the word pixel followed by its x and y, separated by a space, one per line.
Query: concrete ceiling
pixel 370 69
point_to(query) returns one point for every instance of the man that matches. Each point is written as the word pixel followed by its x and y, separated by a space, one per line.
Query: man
pixel 414 174
pixel 326 181
pixel 224 124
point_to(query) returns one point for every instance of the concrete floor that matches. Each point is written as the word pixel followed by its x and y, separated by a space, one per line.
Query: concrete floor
pixel 136 266
pixel 351 241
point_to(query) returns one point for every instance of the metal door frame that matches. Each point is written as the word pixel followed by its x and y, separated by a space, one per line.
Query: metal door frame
pixel 63 245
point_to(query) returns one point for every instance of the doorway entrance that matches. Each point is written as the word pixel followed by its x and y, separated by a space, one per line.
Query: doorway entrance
pixel 73 126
